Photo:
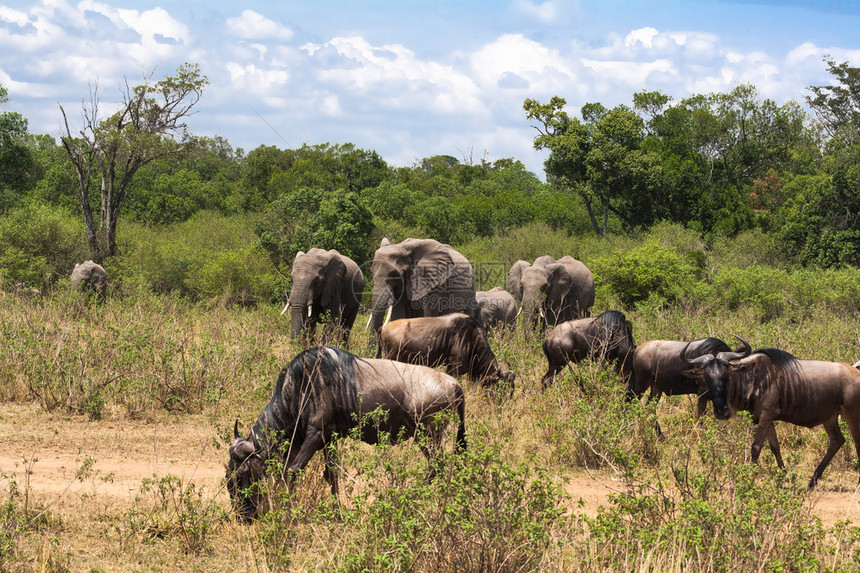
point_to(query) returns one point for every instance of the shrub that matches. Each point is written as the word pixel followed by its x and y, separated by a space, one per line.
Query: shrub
pixel 40 243
pixel 647 271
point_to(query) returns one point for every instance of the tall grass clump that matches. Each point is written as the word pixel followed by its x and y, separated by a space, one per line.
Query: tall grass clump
pixel 480 513
pixel 134 357
pixel 707 509
pixel 587 422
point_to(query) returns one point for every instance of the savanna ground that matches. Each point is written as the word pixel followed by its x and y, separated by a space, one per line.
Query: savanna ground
pixel 116 418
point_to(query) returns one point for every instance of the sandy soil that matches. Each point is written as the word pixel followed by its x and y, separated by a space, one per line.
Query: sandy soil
pixel 119 455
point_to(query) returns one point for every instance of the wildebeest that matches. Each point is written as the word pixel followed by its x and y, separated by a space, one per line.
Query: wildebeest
pixel 658 365
pixel 456 341
pixel 326 392
pixel 773 385
pixel 498 307
pixel 608 335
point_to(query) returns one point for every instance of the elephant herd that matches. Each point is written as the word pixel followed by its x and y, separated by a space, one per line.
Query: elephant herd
pixel 424 278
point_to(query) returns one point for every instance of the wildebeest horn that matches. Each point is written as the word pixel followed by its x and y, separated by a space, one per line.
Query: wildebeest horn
pixel 285 308
pixel 236 429
pixel 737 354
pixel 698 361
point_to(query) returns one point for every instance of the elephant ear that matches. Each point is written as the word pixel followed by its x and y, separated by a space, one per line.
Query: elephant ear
pixel 429 272
pixel 515 276
pixel 333 280
pixel 559 279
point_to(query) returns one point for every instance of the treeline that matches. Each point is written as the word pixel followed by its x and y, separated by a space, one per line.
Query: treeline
pixel 201 219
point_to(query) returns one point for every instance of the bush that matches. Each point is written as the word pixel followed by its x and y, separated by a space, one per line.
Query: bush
pixel 208 256
pixel 40 243
pixel 651 270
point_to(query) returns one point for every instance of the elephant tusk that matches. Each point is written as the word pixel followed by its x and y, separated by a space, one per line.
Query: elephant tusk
pixel 285 308
pixel 519 311
pixel 542 315
pixel 369 318
pixel 388 315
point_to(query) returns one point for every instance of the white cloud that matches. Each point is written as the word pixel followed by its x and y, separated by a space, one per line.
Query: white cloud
pixel 538 65
pixel 253 26
pixel 644 36
pixel 393 74
pixel 258 81
pixel 13 16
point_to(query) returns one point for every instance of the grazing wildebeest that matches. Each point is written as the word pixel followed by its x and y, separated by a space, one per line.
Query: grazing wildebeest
pixel 608 336
pixel 456 341
pixel 773 385
pixel 498 307
pixel 326 392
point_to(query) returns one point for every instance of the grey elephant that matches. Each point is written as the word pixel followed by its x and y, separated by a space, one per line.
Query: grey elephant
pixel 90 275
pixel 420 277
pixel 551 292
pixel 498 307
pixel 324 283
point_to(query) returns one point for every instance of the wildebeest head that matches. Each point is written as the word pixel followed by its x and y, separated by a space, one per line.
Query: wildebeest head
pixel 247 466
pixel 715 370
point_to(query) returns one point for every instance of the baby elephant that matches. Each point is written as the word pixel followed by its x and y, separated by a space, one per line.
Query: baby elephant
pixel 453 340
pixel 90 275
pixel 498 308
pixel 608 336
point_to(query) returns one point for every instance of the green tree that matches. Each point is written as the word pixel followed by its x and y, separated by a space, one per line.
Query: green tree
pixel 16 159
pixel 107 153
pixel 310 218
pixel 837 106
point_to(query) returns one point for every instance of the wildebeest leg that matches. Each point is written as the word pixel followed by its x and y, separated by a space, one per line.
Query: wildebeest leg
pixel 655 395
pixel 430 443
pixel 831 426
pixel 853 426
pixel 330 471
pixel 774 446
pixel 763 431
pixel 313 443
pixel 704 396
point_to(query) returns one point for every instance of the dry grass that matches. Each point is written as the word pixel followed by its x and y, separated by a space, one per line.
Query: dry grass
pixel 116 419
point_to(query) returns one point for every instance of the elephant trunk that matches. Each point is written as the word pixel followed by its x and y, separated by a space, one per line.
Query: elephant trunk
pixel 298 314
pixel 532 306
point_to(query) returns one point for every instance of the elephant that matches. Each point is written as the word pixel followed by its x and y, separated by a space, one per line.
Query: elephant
pixel 498 307
pixel 419 277
pixel 90 275
pixel 552 292
pixel 324 282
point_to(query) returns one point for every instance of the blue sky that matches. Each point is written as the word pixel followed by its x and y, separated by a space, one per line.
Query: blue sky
pixel 412 79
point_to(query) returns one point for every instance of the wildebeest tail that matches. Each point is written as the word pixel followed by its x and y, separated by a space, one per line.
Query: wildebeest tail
pixel 544 347
pixel 461 414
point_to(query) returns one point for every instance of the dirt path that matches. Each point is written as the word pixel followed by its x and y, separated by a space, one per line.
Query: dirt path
pixel 70 457
pixel 73 455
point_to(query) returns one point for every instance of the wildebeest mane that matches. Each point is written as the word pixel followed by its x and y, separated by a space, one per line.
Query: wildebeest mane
pixel 316 373
pixel 781 369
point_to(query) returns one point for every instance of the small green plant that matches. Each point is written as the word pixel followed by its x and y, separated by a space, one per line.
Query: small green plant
pixel 167 508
